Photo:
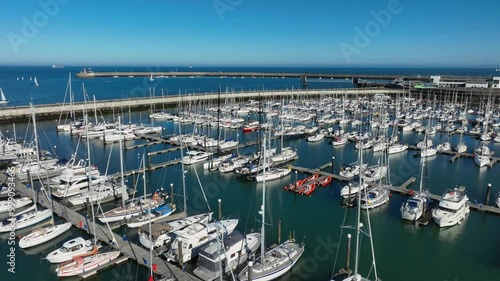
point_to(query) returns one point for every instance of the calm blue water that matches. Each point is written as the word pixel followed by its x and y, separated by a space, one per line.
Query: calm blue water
pixel 52 82
pixel 403 251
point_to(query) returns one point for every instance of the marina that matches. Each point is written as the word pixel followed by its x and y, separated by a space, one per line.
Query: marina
pixel 162 155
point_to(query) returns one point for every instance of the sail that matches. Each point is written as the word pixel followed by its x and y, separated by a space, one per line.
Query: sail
pixel 2 95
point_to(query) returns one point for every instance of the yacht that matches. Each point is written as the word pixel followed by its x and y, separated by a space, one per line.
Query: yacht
pixel 444 147
pixel 70 249
pixel 498 200
pixel 133 208
pixel 452 207
pixel 482 156
pixel 6 205
pixel 273 174
pixel 351 190
pixel 375 197
pixel 338 141
pixel 160 233
pixel 194 237
pixel 84 264
pixel 287 154
pixel 351 171
pixel 374 174
pixel 77 185
pixel 397 148
pixel 232 252
pixel 100 192
pixel 41 235
pixel 24 219
pixel 316 137
pixel 158 213
pixel 193 157
pixel 428 152
pixel 412 209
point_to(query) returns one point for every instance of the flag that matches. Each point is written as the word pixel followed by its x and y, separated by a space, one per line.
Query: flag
pixel 145 261
pixel 125 237
pixel 150 278
pixel 154 266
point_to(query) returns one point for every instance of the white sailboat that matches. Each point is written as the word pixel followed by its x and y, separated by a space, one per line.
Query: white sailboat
pixel 36 82
pixel 413 208
pixel 356 276
pixel 151 78
pixel 277 261
pixel 44 234
pixel 3 100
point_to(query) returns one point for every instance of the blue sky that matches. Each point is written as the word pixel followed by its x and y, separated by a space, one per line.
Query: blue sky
pixel 251 32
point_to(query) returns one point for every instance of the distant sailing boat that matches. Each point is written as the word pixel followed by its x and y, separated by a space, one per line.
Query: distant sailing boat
pixel 36 82
pixel 151 78
pixel 3 100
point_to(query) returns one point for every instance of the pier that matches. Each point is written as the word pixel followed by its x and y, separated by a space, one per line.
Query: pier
pixel 220 74
pixel 53 111
pixel 129 249
pixel 403 189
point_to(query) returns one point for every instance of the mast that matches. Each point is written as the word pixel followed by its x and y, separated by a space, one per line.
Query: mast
pixel 358 227
pixel 422 177
pixel 122 178
pixel 182 165
pixel 149 217
pixel 34 131
pixel 263 207
pixel 89 177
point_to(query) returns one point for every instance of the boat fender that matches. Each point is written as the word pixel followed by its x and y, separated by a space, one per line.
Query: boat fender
pixel 411 192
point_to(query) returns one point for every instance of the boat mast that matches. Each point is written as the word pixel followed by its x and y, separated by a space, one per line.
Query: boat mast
pixel 263 207
pixel 36 134
pixel 149 217
pixel 182 166
pixel 122 178
pixel 358 227
pixel 422 177
pixel 89 176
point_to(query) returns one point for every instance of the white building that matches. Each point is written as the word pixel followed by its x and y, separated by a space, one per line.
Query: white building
pixel 476 84
pixel 451 82
pixel 496 82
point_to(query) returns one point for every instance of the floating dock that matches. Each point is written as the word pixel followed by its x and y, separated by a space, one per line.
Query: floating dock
pixel 402 189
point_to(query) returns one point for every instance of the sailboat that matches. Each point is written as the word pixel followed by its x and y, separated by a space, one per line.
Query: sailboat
pixel 3 100
pixel 277 261
pixel 36 82
pixel 86 262
pixel 151 78
pixel 356 276
pixel 41 235
pixel 415 206
pixel 25 218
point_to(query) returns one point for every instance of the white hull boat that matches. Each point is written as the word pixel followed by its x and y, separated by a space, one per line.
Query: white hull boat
pixel 452 207
pixel 273 174
pixel 235 251
pixel 70 249
pixel 24 220
pixel 15 204
pixel 42 235
pixel 278 261
pixel 85 264
pixel 195 236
